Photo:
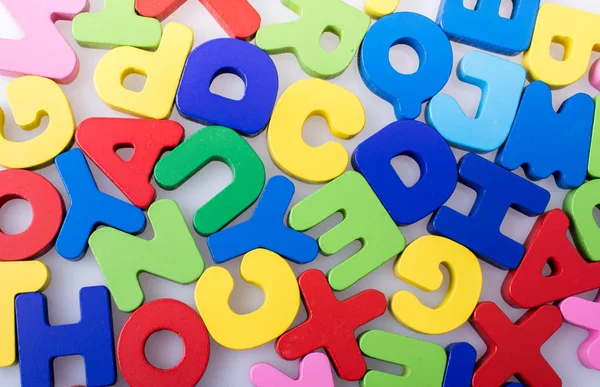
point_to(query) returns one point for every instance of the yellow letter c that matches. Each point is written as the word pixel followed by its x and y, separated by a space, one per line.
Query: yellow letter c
pixel 345 116
pixel 282 301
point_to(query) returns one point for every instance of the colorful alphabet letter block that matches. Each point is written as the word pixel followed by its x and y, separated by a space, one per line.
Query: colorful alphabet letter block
pixel 158 315
pixel 215 143
pixel 501 82
pixel 16 278
pixel 545 142
pixel 380 8
pixel 484 28
pixel 43 50
pixel 117 25
pixel 585 314
pixel 172 255
pixel 302 36
pixel 89 207
pixel 237 17
pixel 460 366
pixel 314 370
pixel 594 161
pixel 157 9
pixel 406 92
pixel 251 114
pixel 437 165
pixel 331 324
pixel 32 98
pixel 514 349
pixel 419 265
pixel 47 214
pixel 579 205
pixel 345 117
pixel 162 69
pixel 527 287
pixel 266 229
pixel 497 190
pixel 100 138
pixel 571 28
pixel 274 276
pixel 40 343
pixel 423 362
pixel 365 219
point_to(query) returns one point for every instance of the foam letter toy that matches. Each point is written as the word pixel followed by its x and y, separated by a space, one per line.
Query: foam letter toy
pixel 237 17
pixel 244 331
pixel 380 8
pixel 526 287
pixel 419 265
pixel 571 28
pixel 406 92
pixel 251 114
pixel 484 28
pixel 89 207
pixel 16 278
pixel 100 138
pixel 345 117
pixel 314 370
pixel 157 9
pixel 43 50
pixel 407 205
pixel 161 68
pixel 497 189
pixel 331 324
pixel 172 255
pixel 594 160
pixel 40 343
pixel 501 83
pixel 539 135
pixel 266 229
pixel 158 315
pixel 423 363
pixel 47 214
pixel 215 143
pixel 579 204
pixel 513 349
pixel 365 219
pixel 301 37
pixel 594 75
pixel 585 314
pixel 460 365
pixel 30 99
pixel 116 25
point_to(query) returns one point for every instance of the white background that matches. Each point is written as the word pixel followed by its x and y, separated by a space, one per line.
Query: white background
pixel 227 367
